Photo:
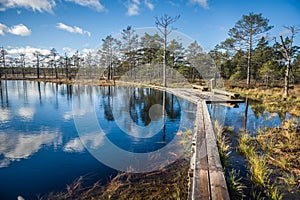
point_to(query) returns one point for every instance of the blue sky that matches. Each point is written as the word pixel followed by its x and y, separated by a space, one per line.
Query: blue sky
pixel 69 25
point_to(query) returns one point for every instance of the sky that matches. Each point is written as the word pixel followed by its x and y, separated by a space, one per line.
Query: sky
pixel 70 25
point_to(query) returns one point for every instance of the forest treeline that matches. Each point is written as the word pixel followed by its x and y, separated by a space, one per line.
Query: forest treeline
pixel 249 53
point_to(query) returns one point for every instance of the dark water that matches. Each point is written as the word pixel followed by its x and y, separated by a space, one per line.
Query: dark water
pixel 252 117
pixel 255 119
pixel 40 147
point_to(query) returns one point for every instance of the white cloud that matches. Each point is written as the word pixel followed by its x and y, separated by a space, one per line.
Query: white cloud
pixel 149 4
pixel 26 113
pixel 74 29
pixel 35 5
pixel 202 3
pixel 28 51
pixel 3 28
pixel 94 4
pixel 69 51
pixel 86 51
pixel 20 29
pixel 133 8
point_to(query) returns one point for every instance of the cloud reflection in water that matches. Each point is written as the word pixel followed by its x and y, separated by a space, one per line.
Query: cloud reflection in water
pixel 14 147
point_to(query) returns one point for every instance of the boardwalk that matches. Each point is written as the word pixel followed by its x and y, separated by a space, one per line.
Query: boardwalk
pixel 207 179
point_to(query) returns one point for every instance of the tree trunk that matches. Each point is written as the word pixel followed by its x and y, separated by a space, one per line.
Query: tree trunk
pixel 38 69
pixel 56 74
pixel 165 58
pixel 249 62
pixel 287 70
pixel 286 79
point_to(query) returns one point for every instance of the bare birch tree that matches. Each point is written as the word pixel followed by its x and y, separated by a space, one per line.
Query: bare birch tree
pixel 288 52
pixel 162 24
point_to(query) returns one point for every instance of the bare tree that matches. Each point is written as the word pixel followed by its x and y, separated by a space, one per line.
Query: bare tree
pixel 162 24
pixel 54 53
pixel 37 55
pixel 288 51
pixel 22 61
pixel 3 53
pixel 67 67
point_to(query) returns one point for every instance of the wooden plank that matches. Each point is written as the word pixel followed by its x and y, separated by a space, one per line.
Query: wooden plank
pixel 201 188
pixel 207 180
pixel 226 93
pixel 218 185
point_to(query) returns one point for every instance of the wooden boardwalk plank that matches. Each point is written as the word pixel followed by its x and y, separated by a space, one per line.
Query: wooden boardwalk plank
pixel 218 185
pixel 207 180
pixel 200 183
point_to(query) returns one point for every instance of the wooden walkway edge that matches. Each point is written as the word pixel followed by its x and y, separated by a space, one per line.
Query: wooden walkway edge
pixel 207 179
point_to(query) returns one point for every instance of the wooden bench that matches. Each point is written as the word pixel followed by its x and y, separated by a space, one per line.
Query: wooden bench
pixel 231 95
pixel 200 87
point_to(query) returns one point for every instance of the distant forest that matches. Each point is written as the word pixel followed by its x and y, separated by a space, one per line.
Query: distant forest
pixel 249 53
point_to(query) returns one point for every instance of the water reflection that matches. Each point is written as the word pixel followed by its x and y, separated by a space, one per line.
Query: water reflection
pixel 76 145
pixel 16 146
pixel 38 135
pixel 132 140
pixel 249 116
pixel 4 94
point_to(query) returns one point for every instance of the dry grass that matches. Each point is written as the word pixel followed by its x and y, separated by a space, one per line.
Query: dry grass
pixel 170 182
pixel 233 179
pixel 273 157
pixel 272 100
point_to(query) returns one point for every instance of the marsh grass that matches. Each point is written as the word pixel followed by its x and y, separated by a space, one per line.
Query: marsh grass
pixel 273 157
pixel 234 184
pixel 233 178
pixel 271 99
pixel 260 172
pixel 223 143
pixel 171 182
pixel 245 146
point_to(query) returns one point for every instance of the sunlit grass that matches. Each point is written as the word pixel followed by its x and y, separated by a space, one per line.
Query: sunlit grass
pixel 274 193
pixel 272 99
pixel 223 143
pixel 233 179
pixel 273 157
pixel 234 185
pixel 244 145
pixel 259 170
